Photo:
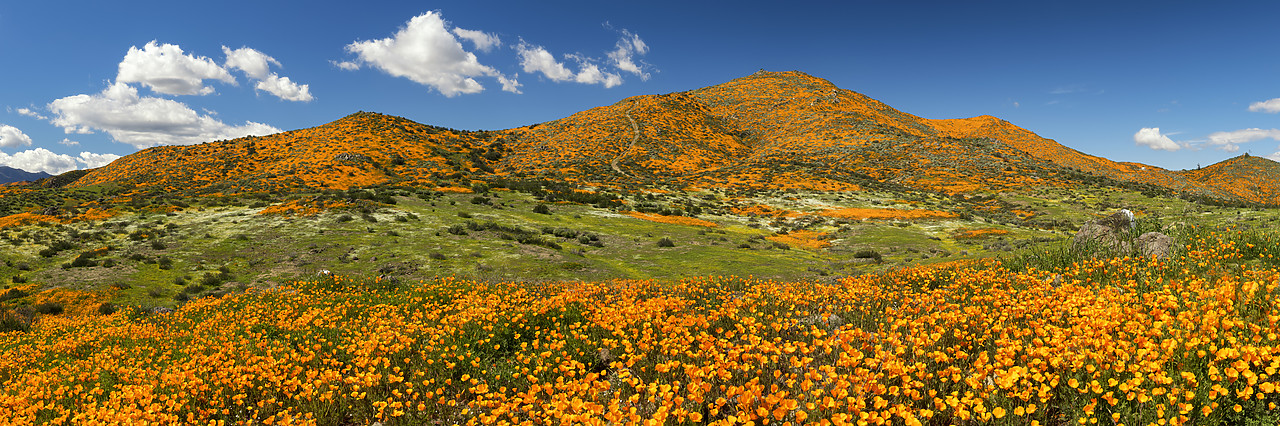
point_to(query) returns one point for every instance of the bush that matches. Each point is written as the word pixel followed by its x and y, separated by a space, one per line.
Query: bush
pixel 666 242
pixel 11 321
pixel 438 256
pixel 13 294
pixel 541 209
pixel 868 254
pixel 107 308
pixel 49 308
pixel 157 245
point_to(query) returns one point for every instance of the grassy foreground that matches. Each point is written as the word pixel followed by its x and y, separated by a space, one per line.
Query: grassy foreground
pixel 1192 339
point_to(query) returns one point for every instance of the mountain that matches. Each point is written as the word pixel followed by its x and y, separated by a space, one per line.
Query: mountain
pixel 767 130
pixel 10 175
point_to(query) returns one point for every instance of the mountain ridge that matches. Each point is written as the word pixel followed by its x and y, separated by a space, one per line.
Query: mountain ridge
pixel 12 174
pixel 767 130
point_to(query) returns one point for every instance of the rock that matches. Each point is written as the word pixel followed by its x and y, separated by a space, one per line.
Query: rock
pixel 1155 244
pixel 352 158
pixel 1096 234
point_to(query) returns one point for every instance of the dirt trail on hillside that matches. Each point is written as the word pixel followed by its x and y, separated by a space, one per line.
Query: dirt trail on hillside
pixel 635 129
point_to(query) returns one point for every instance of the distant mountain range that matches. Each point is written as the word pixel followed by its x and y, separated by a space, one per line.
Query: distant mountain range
pixel 768 130
pixel 10 175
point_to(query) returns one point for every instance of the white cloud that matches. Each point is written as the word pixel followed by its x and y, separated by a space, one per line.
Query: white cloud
pixel 91 160
pixel 425 52
pixel 1151 138
pixel 509 84
pixel 43 160
pixel 164 68
pixel 10 137
pixel 483 41
pixel 345 65
pixel 68 142
pixel 1269 105
pixel 591 74
pixel 1230 141
pixel 535 59
pixel 31 113
pixel 1275 156
pixel 144 121
pixel 285 89
pixel 257 66
pixel 629 45
pixel 254 63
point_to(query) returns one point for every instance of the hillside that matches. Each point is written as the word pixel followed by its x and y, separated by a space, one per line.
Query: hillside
pixel 1248 177
pixel 768 130
pixel 358 150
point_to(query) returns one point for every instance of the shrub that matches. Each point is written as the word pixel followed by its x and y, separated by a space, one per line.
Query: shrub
pixel 107 309
pixel 13 293
pixel 158 245
pixel 666 242
pixel 541 209
pixel 438 256
pixel 868 254
pixel 11 321
pixel 49 308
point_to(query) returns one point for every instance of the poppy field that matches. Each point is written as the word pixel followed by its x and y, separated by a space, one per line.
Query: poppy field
pixel 1190 339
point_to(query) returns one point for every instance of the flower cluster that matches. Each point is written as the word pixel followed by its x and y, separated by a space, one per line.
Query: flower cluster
pixel 1187 340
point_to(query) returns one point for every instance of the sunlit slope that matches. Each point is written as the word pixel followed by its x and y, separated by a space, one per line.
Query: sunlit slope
pixel 767 130
pixel 1247 177
pixel 357 150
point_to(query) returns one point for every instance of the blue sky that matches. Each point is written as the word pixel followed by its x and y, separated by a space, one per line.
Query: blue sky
pixel 1170 83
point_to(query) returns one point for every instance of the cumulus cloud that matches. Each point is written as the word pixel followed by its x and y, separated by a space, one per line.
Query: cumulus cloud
pixel 257 66
pixel 254 63
pixel 10 137
pixel 31 113
pixel 1230 141
pixel 164 68
pixel 1152 138
pixel 1269 105
pixel 482 41
pixel 536 59
pixel 509 84
pixel 1275 156
pixel 68 142
pixel 629 46
pixel 43 160
pixel 144 121
pixel 426 52
pixel 591 74
pixel 285 89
